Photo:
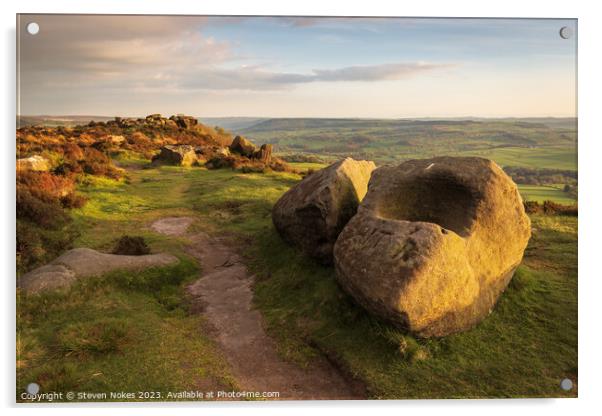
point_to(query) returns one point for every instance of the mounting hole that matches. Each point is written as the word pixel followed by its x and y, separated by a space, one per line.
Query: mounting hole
pixel 33 388
pixel 566 32
pixel 566 384
pixel 33 28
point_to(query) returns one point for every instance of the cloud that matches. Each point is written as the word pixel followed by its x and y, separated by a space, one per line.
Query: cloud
pixel 382 72
pixel 257 78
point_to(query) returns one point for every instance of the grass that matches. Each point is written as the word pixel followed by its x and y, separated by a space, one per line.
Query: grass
pixel 132 331
pixel 123 332
pixel 523 349
pixel 540 193
pixel 553 157
pixel 528 143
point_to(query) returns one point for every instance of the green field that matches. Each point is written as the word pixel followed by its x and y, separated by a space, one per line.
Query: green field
pixel 535 143
pixel 539 158
pixel 127 331
pixel 546 193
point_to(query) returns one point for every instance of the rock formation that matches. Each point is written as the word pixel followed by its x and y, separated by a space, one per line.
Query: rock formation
pixel 84 262
pixel 243 147
pixel 264 154
pixel 179 155
pixel 434 243
pixel 312 213
pixel 36 162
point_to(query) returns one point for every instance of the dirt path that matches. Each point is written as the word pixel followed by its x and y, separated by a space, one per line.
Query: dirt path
pixel 224 295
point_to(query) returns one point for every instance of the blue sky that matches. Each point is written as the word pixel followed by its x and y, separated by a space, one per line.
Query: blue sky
pixel 297 67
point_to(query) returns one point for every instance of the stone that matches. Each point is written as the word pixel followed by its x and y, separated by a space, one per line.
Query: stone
pixel 312 213
pixel 36 163
pixel 116 139
pixel 242 146
pixel 84 263
pixel 185 122
pixel 434 243
pixel 178 155
pixel 264 153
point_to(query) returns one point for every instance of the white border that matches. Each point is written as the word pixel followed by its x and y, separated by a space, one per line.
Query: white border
pixel 590 126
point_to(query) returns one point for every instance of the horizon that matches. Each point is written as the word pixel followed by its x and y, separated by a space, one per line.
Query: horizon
pixel 298 117
pixel 297 67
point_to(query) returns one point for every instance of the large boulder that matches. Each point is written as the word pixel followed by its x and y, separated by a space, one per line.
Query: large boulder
pixel 242 146
pixel 83 263
pixel 312 213
pixel 434 243
pixel 179 155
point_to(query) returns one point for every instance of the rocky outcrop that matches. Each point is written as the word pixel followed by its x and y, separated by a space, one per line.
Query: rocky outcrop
pixel 84 263
pixel 36 162
pixel 156 121
pixel 184 122
pixel 264 154
pixel 311 214
pixel 178 155
pixel 434 243
pixel 243 147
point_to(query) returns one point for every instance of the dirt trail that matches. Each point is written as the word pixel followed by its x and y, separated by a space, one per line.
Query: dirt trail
pixel 224 295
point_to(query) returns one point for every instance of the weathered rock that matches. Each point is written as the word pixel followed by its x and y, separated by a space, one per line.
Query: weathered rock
pixel 222 151
pixel 116 139
pixel 153 117
pixel 179 155
pixel 264 153
pixel 36 162
pixel 83 263
pixel 311 214
pixel 185 122
pixel 171 124
pixel 242 146
pixel 434 243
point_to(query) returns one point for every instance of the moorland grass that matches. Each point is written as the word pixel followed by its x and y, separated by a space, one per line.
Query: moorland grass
pixel 135 331
pixel 121 332
pixel 523 349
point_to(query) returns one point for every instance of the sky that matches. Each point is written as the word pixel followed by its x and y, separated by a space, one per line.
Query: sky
pixel 210 66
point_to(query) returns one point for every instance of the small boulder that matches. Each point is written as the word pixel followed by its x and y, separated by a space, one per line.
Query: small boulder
pixel 434 243
pixel 242 146
pixel 83 263
pixel 264 154
pixel 312 213
pixel 116 139
pixel 178 155
pixel 36 163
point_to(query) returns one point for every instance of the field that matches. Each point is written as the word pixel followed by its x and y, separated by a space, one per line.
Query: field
pixel 545 193
pixel 129 331
pixel 535 143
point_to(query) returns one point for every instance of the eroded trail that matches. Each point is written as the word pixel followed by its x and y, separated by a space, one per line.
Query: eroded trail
pixel 223 293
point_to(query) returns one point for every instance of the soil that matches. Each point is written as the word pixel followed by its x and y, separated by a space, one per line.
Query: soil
pixel 223 294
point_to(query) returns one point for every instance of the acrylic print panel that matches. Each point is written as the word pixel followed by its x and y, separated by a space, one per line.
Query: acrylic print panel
pixel 272 208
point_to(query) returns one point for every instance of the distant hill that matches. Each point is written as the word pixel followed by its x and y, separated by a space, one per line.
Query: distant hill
pixel 233 124
pixel 528 142
pixel 53 121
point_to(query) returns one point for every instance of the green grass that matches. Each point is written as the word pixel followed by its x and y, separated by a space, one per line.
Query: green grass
pixel 528 143
pixel 123 332
pixel 126 331
pixel 564 157
pixel 523 349
pixel 132 331
pixel 540 193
